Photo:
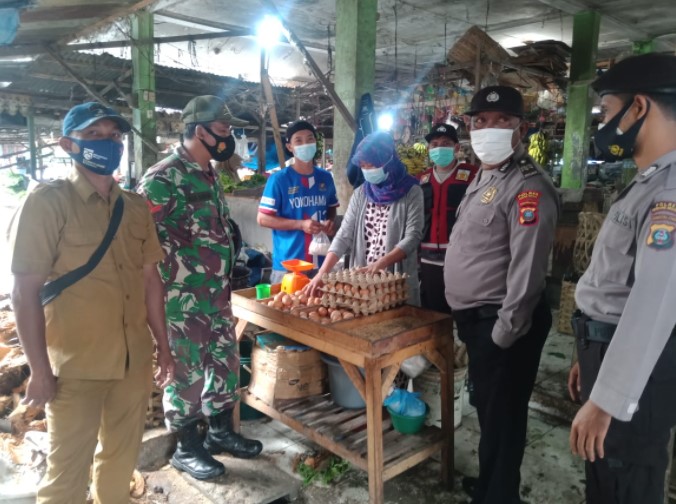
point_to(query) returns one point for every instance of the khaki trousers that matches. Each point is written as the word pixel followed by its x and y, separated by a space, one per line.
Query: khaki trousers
pixel 101 420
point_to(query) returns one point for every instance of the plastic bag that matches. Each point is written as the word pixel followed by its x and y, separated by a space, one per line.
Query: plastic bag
pixel 403 402
pixel 414 366
pixel 242 147
pixel 320 244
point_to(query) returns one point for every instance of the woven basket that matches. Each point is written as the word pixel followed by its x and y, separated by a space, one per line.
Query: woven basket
pixel 587 230
pixel 566 307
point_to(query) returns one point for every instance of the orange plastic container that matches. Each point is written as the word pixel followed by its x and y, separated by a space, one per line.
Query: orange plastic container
pixel 294 281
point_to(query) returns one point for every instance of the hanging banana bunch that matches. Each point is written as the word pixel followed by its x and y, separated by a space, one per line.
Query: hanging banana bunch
pixel 539 147
pixel 414 157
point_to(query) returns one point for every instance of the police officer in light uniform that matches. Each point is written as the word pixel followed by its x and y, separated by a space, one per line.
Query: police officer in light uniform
pixel 494 272
pixel 627 297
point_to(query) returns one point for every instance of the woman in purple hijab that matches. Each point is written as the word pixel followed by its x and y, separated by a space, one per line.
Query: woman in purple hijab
pixel 383 225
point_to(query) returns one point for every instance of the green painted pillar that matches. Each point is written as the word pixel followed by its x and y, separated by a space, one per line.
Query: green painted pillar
pixel 355 75
pixel 143 92
pixel 32 144
pixel 580 98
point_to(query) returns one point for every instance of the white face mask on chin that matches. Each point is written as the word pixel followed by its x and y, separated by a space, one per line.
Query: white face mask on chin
pixel 492 145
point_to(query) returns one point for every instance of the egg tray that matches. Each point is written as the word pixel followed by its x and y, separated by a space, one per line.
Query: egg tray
pixel 363 305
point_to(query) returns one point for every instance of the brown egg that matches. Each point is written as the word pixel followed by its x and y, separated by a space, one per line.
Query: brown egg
pixel 303 315
pixel 271 303
pixel 287 300
pixel 303 299
pixel 323 312
pixel 335 316
pixel 348 315
pixel 313 315
pixel 278 305
pixel 279 296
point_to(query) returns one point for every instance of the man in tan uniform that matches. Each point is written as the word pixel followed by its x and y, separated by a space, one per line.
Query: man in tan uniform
pixel 90 350
pixel 626 329
pixel 494 273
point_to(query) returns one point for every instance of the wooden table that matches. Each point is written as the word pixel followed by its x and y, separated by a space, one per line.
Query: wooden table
pixel 378 344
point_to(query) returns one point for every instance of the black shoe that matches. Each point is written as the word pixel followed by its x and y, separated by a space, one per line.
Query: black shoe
pixel 469 485
pixel 221 438
pixel 191 456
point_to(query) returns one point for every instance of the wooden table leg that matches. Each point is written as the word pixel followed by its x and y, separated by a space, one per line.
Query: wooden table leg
pixel 374 422
pixel 447 427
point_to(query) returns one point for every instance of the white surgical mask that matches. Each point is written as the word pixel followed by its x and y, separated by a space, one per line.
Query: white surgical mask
pixel 306 152
pixel 492 145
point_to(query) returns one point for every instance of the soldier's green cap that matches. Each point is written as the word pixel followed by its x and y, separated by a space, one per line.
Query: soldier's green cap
pixel 208 108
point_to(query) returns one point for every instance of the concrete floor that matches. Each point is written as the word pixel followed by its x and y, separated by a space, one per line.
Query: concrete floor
pixel 550 474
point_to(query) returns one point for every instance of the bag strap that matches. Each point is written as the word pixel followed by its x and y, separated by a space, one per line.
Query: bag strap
pixel 52 289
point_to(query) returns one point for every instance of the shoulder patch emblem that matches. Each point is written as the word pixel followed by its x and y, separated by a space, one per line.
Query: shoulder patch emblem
pixel 662 225
pixel 425 178
pixel 661 236
pixel 528 202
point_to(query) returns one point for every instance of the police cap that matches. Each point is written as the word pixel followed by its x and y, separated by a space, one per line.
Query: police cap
pixel 650 73
pixel 497 99
pixel 442 130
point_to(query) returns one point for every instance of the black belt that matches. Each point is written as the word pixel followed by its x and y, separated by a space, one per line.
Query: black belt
pixel 587 329
pixel 475 314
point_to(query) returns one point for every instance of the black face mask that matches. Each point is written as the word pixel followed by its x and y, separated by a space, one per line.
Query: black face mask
pixel 616 146
pixel 224 148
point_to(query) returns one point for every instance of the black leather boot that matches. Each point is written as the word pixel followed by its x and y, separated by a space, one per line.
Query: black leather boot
pixel 191 456
pixel 221 438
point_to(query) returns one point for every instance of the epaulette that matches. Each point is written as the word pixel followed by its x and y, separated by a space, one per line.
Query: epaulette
pixel 671 178
pixel 425 178
pixel 527 168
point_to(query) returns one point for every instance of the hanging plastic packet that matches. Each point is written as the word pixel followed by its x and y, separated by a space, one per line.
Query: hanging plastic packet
pixel 320 244
pixel 242 147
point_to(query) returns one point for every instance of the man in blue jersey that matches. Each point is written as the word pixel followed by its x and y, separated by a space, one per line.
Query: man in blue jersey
pixel 298 201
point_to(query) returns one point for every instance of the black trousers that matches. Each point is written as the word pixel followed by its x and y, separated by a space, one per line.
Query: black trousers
pixel 501 382
pixel 432 288
pixel 636 452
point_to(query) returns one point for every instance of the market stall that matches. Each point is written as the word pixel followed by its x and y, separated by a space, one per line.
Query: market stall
pixel 377 343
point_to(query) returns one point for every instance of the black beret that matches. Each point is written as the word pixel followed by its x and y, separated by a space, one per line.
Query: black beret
pixel 299 125
pixel 497 99
pixel 445 130
pixel 652 72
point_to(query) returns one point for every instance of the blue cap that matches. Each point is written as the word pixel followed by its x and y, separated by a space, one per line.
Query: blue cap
pixel 81 116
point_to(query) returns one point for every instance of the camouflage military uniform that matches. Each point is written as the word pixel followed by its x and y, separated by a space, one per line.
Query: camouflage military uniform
pixel 191 214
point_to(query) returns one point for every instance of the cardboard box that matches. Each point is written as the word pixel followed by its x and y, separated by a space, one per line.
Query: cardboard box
pixel 284 374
